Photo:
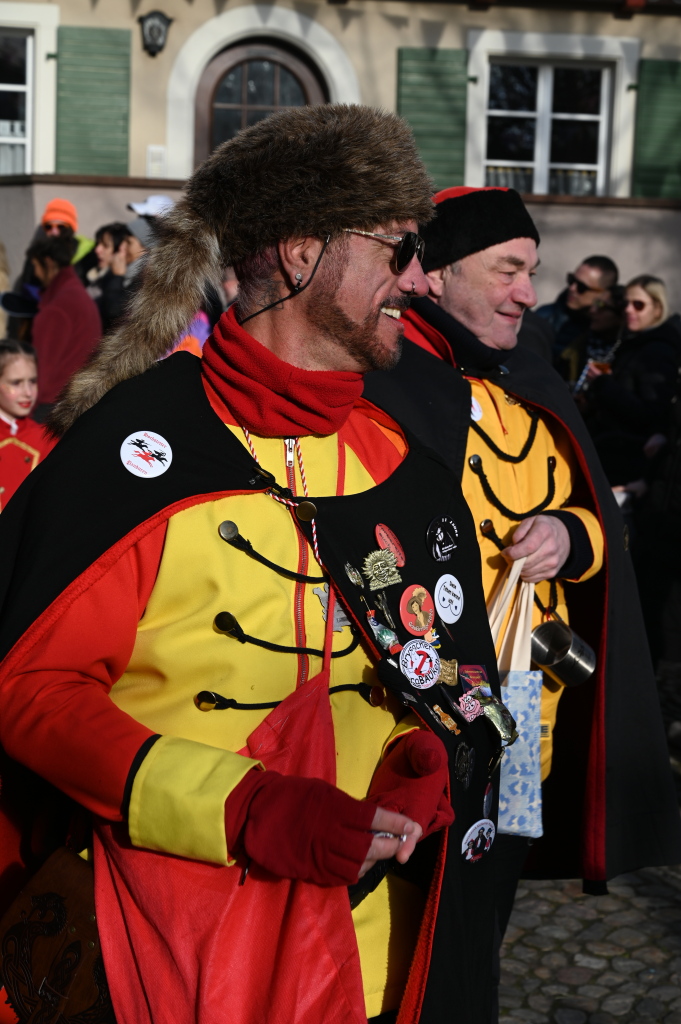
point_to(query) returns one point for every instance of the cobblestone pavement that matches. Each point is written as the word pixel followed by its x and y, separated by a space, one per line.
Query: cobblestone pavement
pixel 574 959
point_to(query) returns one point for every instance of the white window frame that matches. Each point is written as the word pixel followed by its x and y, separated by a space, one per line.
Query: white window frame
pixel 621 54
pixel 542 165
pixel 41 21
pixel 27 89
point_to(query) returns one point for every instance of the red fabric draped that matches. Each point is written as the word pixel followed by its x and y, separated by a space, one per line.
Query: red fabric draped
pixel 270 397
pixel 185 938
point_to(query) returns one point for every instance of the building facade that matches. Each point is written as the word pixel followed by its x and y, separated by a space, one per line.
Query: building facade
pixel 575 104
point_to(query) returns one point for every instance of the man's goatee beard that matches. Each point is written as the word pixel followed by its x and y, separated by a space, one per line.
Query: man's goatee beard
pixel 358 339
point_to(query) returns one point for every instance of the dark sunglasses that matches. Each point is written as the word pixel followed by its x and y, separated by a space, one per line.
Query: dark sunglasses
pixel 409 245
pixel 638 304
pixel 580 286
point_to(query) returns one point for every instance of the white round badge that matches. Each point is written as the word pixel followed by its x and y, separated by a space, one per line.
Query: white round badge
pixel 476 410
pixel 420 663
pixel 145 453
pixel 448 598
pixel 478 840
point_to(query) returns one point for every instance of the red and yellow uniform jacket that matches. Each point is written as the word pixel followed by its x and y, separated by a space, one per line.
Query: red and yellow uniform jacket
pixel 97 694
pixel 22 445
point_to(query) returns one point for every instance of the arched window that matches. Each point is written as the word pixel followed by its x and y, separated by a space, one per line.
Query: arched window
pixel 246 83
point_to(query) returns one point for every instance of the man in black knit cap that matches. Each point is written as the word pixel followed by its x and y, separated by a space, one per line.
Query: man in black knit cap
pixel 504 421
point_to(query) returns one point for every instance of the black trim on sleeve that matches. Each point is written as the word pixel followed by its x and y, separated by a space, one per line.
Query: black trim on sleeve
pixel 581 554
pixel 134 768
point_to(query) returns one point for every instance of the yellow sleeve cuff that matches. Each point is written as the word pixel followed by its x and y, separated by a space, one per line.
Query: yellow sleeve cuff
pixel 593 528
pixel 178 798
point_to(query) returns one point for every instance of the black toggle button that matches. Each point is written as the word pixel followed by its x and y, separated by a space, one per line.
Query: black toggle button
pixel 306 511
pixel 552 462
pixel 486 527
pixel 225 622
pixel 228 530
pixel 206 701
pixel 475 462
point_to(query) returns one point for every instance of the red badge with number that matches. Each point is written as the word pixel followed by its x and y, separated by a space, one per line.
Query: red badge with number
pixel 386 539
pixel 417 610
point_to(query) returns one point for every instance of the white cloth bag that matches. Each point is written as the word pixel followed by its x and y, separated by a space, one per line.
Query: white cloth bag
pixel 520 776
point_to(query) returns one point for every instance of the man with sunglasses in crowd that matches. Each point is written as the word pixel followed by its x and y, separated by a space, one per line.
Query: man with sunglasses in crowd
pixel 201 615
pixel 569 314
pixel 505 422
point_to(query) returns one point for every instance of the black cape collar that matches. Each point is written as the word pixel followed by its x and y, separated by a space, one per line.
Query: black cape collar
pixel 469 353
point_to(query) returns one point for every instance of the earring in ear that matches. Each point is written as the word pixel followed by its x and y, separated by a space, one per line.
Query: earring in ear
pixel 299 278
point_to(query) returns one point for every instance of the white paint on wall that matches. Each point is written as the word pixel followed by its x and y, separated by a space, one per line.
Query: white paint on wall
pixel 42 20
pixel 231 27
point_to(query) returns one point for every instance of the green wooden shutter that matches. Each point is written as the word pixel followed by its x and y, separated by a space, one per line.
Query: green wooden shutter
pixel 657 146
pixel 431 95
pixel 93 101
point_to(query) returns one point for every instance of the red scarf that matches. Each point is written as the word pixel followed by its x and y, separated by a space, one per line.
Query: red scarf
pixel 270 397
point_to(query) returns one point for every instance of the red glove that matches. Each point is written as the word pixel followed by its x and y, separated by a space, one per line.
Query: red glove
pixel 299 828
pixel 411 780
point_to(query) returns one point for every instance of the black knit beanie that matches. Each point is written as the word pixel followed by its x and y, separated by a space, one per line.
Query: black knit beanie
pixel 469 220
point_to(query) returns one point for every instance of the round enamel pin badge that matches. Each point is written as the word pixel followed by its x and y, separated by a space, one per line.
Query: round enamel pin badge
pixel 146 454
pixel 417 611
pixel 442 538
pixel 420 663
pixel 478 840
pixel 448 598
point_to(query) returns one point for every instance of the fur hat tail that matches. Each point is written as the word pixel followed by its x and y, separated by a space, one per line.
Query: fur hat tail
pixel 176 273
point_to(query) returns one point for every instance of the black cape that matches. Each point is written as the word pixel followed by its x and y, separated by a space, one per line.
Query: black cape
pixel 609 803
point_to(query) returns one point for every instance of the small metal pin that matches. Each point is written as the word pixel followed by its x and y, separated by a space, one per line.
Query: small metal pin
pixel 390 835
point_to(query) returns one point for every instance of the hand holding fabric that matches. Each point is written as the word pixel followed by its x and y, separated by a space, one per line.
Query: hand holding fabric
pixel 544 542
pixel 412 778
pixel 306 828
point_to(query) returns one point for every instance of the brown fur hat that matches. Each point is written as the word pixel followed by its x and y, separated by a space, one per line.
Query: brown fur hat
pixel 302 171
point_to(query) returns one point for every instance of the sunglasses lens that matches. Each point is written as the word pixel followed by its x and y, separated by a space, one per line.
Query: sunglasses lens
pixel 579 285
pixel 410 246
pixel 638 305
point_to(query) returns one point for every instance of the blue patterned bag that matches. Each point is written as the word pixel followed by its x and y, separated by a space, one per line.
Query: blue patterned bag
pixel 510 614
pixel 520 779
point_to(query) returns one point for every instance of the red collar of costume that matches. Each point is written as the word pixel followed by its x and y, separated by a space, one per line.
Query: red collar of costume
pixel 270 397
pixel 424 334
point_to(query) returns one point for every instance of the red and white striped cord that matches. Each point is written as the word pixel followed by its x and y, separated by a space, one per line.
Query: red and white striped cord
pixel 286 501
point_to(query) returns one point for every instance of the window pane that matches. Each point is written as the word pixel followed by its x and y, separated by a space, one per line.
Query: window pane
pixel 290 90
pixel 572 183
pixel 229 89
pixel 574 142
pixel 12 159
pixel 512 87
pixel 13 60
pixel 253 116
pixel 226 123
pixel 13 114
pixel 519 178
pixel 510 138
pixel 576 91
pixel 260 84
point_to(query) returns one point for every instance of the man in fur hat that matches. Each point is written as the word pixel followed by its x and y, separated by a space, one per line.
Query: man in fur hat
pixel 188 611
pixel 506 424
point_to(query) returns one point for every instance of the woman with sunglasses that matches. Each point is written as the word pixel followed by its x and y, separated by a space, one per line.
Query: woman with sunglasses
pixel 629 402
